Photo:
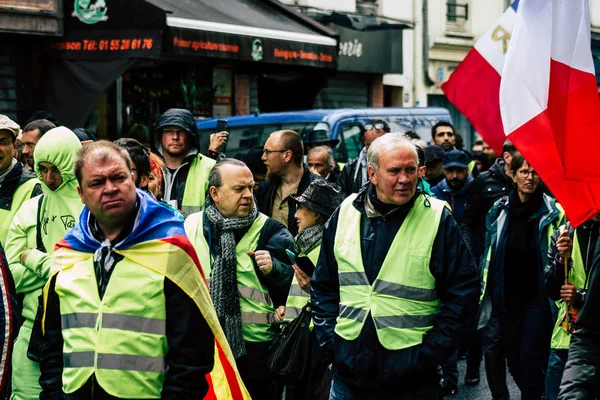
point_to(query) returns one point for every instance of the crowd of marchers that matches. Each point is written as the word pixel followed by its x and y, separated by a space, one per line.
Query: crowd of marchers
pixel 163 270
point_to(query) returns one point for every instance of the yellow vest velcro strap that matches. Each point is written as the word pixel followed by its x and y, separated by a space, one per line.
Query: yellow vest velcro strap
pixel 292 312
pixel 134 323
pixel 258 318
pixel 127 362
pixel 296 290
pixel 79 359
pixel 404 292
pixel 255 294
pixel 404 321
pixel 353 279
pixel 189 210
pixel 349 312
pixel 123 362
pixel 79 320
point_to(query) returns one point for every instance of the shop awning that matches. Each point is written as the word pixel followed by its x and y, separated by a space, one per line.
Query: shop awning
pixel 250 30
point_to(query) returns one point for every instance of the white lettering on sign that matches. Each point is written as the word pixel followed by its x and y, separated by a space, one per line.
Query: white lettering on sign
pixel 351 48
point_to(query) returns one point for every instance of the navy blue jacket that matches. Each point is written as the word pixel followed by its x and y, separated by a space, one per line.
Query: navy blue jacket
pixel 456 198
pixel 364 362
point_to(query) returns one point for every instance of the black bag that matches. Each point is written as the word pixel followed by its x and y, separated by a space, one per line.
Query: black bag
pixel 290 352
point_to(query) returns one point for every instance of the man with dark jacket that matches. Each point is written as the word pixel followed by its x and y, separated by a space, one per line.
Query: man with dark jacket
pixel 186 175
pixel 17 184
pixel 581 245
pixel 395 285
pixel 243 252
pixel 286 176
pixel 490 186
pixel 354 175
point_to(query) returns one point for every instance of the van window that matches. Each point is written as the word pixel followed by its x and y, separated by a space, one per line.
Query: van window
pixel 420 124
pixel 351 141
pixel 243 138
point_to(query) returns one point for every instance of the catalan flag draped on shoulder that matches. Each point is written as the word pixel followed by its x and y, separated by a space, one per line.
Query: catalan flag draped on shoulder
pixel 157 242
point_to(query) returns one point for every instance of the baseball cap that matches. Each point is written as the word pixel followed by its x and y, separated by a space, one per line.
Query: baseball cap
pixel 7 124
pixel 456 158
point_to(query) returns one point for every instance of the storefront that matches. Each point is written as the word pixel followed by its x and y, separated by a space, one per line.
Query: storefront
pixel 121 65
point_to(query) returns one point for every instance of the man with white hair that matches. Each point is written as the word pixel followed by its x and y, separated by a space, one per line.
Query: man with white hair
pixel 320 162
pixel 395 285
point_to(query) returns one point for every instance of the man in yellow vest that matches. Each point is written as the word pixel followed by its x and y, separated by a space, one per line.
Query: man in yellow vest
pixel 126 311
pixel 186 175
pixel 395 285
pixel 17 184
pixel 243 256
pixel 581 245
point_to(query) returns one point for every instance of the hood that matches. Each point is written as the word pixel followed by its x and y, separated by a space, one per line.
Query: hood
pixel 497 169
pixel 445 188
pixel 59 147
pixel 60 208
pixel 177 117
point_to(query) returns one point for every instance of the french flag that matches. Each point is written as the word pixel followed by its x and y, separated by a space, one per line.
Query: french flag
pixel 549 100
pixel 474 87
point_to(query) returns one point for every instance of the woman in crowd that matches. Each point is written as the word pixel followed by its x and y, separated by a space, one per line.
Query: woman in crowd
pixel 519 228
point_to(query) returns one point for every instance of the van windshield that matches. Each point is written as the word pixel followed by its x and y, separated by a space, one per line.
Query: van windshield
pixel 243 138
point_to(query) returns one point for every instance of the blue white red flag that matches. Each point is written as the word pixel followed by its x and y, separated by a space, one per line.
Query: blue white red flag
pixel 474 87
pixel 549 100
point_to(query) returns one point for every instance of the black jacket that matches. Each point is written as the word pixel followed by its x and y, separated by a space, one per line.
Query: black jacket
pixel 266 195
pixel 188 362
pixel 347 180
pixel 488 187
pixel 581 379
pixel 275 239
pixel 587 236
pixel 364 362
pixel 11 183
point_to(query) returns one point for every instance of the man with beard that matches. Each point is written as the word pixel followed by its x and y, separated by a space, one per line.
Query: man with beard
pixel 17 184
pixel 32 133
pixel 455 189
pixel 186 175
pixel 286 176
pixel 242 252
pixel 442 134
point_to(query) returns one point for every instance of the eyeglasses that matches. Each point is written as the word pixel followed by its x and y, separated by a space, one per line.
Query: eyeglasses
pixel 267 152
pixel 524 173
pixel 377 126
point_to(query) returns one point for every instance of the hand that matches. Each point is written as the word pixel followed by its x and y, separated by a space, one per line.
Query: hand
pixel 24 255
pixel 564 245
pixel 568 293
pixel 302 278
pixel 217 140
pixel 279 313
pixel 263 260
pixel 314 171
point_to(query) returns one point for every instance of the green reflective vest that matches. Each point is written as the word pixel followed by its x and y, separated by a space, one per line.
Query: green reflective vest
pixel 258 312
pixel 196 185
pixel 560 338
pixel 402 301
pixel 22 193
pixel 297 298
pixel 121 338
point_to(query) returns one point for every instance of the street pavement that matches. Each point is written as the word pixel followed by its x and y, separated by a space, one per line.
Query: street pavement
pixel 481 391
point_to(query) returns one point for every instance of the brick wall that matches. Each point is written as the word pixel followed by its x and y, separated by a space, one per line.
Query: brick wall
pixel 242 94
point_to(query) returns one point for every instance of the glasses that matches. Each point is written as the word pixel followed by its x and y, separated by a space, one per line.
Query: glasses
pixel 267 152
pixel 524 173
pixel 6 142
pixel 377 126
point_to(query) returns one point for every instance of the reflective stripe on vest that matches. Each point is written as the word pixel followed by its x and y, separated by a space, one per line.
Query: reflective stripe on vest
pixel 119 338
pixel 258 313
pixel 560 338
pixel 196 185
pixel 297 298
pixel 402 301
